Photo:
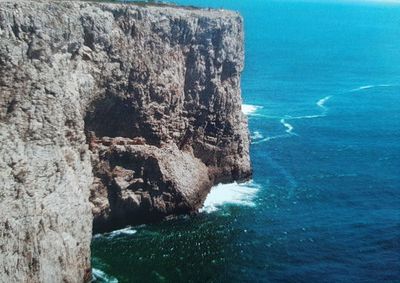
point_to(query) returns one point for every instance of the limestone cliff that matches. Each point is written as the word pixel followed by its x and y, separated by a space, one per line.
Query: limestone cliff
pixel 110 114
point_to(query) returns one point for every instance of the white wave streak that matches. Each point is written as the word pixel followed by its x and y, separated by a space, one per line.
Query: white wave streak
pixel 101 276
pixel 370 86
pixel 322 101
pixel 306 117
pixel 363 87
pixel 256 135
pixel 258 138
pixel 289 127
pixel 271 138
pixel 125 231
pixel 249 109
pixel 236 194
pixel 116 233
pixel 264 116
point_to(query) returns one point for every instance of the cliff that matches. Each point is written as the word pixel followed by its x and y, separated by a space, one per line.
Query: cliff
pixel 110 115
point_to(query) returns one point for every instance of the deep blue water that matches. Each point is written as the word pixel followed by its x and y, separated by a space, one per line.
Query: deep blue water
pixel 324 205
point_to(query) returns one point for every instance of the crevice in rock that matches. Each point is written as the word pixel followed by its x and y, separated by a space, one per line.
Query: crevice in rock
pixel 228 70
pixel 88 34
pixel 11 106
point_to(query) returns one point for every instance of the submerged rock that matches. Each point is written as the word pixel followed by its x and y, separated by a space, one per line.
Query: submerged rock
pixel 137 108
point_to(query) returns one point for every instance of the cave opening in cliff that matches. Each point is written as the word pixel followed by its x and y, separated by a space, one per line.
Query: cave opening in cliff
pixel 112 117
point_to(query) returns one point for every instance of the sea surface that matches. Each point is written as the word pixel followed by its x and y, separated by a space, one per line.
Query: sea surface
pixel 321 88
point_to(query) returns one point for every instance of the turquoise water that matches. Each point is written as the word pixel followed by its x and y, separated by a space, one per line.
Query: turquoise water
pixel 322 86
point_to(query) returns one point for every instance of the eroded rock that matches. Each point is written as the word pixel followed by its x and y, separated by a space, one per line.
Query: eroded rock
pixel 135 108
pixel 143 183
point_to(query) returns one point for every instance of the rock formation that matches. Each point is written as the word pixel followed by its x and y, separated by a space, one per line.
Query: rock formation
pixel 110 114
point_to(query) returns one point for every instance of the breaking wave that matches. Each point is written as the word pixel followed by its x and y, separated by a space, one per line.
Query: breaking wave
pixel 117 233
pixel 242 194
pixel 125 231
pixel 99 276
pixel 256 136
pixel 249 109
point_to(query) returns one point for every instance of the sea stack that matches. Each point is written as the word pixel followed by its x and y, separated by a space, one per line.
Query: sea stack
pixel 110 115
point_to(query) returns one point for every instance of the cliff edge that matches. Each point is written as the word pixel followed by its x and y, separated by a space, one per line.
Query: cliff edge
pixel 110 114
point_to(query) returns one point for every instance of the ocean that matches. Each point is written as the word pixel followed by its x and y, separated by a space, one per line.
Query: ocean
pixel 321 89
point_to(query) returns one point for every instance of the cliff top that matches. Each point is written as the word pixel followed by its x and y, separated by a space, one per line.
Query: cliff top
pixel 164 7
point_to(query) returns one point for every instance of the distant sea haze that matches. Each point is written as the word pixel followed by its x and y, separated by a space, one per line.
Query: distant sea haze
pixel 321 89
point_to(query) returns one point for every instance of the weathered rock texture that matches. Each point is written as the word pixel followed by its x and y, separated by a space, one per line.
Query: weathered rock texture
pixel 135 108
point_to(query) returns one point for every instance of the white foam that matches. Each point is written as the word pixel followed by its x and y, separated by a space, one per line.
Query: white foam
pixel 100 276
pixel 289 127
pixel 125 231
pixel 256 135
pixel 322 101
pixel 258 138
pixel 249 109
pixel 234 193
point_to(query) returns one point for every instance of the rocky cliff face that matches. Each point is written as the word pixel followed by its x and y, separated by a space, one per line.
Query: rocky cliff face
pixel 134 108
